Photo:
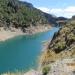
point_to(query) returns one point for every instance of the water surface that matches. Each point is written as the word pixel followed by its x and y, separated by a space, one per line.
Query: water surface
pixel 21 52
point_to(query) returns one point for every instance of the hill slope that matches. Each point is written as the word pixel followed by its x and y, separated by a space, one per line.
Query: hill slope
pixel 62 46
pixel 21 14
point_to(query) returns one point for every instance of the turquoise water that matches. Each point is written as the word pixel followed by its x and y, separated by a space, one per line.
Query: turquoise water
pixel 21 52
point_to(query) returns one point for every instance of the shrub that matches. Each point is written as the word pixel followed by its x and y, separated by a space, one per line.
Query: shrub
pixel 45 70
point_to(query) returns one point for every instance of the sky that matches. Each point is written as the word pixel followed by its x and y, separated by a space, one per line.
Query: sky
pixel 65 8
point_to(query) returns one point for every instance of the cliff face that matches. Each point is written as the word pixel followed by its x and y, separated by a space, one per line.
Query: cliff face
pixel 62 46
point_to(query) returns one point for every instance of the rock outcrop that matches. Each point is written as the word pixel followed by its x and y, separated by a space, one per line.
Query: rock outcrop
pixel 61 47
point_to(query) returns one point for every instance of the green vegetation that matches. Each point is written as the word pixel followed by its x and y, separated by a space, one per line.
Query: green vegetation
pixel 45 70
pixel 64 38
pixel 60 45
pixel 14 13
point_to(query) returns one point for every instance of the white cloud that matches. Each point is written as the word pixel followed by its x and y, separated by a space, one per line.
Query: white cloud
pixel 66 12
pixel 70 9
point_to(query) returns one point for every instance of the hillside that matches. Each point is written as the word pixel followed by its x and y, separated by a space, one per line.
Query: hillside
pixel 18 14
pixel 60 49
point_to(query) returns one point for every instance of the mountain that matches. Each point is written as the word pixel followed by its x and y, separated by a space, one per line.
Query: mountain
pixel 26 4
pixel 18 14
pixel 61 18
pixel 51 19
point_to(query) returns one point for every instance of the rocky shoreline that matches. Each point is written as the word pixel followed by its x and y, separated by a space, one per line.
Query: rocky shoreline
pixel 13 32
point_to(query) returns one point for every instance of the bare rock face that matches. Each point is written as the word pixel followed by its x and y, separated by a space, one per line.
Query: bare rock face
pixel 63 67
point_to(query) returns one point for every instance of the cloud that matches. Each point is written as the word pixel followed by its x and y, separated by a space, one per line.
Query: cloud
pixel 66 12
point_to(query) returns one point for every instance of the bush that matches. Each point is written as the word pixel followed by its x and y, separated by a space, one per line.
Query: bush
pixel 45 70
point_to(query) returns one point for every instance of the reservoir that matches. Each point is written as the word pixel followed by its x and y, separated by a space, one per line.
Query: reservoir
pixel 21 53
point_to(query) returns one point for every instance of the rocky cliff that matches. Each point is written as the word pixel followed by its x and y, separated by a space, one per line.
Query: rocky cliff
pixel 61 47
